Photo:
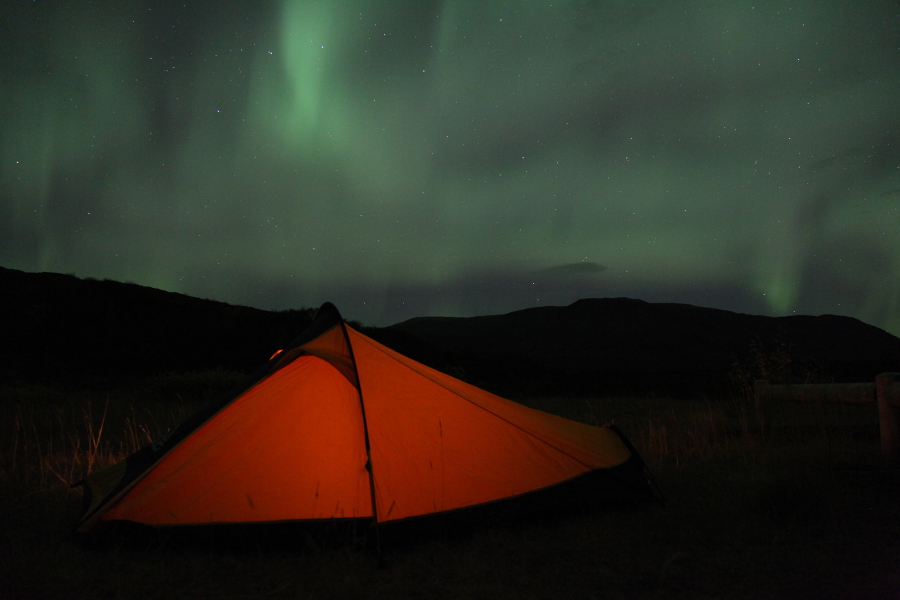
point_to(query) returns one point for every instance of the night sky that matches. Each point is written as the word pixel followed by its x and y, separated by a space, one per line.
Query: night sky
pixel 407 158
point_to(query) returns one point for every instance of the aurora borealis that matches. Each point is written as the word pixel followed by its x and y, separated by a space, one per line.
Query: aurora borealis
pixel 406 158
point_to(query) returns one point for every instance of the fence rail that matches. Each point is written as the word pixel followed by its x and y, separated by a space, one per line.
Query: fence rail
pixel 884 392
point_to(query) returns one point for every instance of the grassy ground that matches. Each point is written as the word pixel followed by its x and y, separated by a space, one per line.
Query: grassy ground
pixel 809 510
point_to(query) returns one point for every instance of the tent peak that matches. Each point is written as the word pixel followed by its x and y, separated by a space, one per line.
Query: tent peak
pixel 326 317
pixel 329 311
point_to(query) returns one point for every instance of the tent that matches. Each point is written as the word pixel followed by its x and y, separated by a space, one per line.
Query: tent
pixel 338 426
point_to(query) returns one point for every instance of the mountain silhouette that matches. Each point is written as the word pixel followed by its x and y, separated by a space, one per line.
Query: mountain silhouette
pixel 626 346
pixel 64 330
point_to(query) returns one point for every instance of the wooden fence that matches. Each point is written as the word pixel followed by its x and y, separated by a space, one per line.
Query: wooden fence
pixel 885 392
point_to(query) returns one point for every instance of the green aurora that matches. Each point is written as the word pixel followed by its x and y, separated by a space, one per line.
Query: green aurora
pixel 403 158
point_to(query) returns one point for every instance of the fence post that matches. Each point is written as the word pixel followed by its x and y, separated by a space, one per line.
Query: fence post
pixel 761 397
pixel 888 416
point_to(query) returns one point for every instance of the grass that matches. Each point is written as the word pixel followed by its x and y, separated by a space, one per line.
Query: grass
pixel 809 510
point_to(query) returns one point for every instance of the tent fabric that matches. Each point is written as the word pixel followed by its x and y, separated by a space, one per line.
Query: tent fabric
pixel 439 443
pixel 235 469
pixel 340 426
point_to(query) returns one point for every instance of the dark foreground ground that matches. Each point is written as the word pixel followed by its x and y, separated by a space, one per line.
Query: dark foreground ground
pixel 808 511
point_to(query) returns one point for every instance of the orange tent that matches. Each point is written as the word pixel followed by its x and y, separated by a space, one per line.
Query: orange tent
pixel 339 426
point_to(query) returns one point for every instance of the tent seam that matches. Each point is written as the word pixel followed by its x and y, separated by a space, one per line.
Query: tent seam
pixel 505 420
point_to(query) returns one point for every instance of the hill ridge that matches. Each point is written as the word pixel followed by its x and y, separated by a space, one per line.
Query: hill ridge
pixel 62 329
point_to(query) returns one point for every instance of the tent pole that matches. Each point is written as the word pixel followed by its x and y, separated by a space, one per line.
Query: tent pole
pixel 369 467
